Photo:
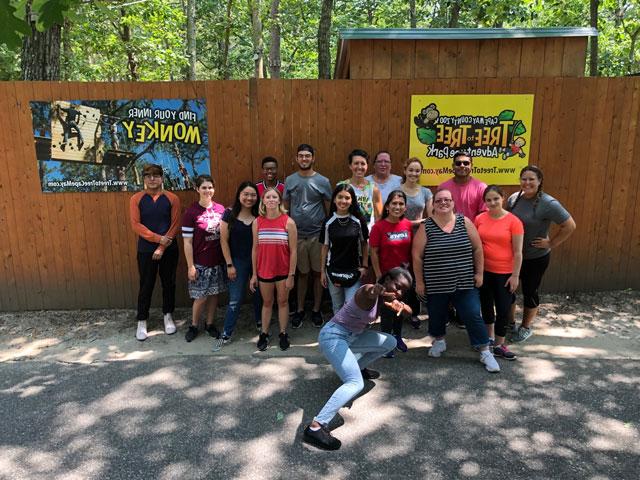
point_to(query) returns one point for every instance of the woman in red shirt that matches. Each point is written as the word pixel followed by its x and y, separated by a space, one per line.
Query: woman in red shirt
pixel 501 233
pixel 390 247
pixel 274 258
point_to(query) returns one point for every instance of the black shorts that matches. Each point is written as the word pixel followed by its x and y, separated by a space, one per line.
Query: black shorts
pixel 275 279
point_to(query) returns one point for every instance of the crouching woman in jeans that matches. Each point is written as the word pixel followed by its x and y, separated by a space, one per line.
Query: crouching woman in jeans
pixel 346 336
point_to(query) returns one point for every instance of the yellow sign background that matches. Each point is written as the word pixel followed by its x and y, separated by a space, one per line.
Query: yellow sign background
pixel 495 129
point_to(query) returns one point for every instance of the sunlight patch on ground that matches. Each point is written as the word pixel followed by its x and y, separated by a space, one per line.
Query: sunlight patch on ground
pixel 569 332
pixel 538 370
pixel 24 347
pixel 566 351
pixel 613 435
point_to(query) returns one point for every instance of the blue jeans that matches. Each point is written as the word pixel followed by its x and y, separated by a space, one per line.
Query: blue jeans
pixel 340 346
pixel 467 303
pixel 341 295
pixel 237 290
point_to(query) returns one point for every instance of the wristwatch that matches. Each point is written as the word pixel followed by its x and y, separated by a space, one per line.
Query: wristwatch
pixel 229 265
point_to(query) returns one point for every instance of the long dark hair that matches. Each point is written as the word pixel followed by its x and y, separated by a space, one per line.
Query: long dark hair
pixel 538 173
pixel 237 206
pixel 392 195
pixel 354 208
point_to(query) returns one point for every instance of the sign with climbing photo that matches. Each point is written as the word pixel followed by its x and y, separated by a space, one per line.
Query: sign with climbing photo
pixel 102 145
pixel 494 129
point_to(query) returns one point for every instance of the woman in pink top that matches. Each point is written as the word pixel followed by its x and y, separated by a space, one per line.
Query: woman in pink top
pixel 501 233
pixel 274 258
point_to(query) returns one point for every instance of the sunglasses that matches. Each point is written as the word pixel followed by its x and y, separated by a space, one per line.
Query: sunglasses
pixel 462 163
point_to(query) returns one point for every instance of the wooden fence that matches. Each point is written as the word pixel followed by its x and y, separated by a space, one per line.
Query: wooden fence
pixel 76 250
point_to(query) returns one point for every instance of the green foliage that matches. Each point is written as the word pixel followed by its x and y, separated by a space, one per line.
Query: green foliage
pixel 158 31
pixel 13 27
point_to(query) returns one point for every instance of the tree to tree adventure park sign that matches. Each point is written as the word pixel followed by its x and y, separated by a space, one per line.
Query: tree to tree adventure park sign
pixel 494 129
pixel 101 145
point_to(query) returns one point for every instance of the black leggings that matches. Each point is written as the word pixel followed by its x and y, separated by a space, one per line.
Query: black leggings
pixel 530 277
pixel 494 293
pixel 148 269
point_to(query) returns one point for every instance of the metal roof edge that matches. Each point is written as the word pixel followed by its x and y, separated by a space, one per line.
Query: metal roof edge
pixel 463 33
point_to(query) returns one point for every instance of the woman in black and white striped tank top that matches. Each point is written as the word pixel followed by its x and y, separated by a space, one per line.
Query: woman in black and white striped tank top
pixel 448 265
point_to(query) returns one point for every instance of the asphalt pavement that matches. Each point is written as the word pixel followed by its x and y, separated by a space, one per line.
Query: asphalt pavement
pixel 241 415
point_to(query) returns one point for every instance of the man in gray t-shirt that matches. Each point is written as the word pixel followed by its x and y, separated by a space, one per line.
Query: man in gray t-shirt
pixel 307 195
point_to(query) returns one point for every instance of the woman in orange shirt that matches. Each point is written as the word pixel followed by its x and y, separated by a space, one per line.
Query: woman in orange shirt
pixel 501 233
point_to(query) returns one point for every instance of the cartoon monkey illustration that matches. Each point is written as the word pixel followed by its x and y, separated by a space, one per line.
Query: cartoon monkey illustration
pixel 515 148
pixel 427 117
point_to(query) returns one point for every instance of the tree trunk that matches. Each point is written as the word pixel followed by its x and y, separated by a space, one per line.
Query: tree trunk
pixel 412 14
pixel 40 58
pixel 454 18
pixel 274 47
pixel 191 39
pixel 593 41
pixel 225 47
pixel 324 39
pixel 132 61
pixel 66 50
pixel 258 44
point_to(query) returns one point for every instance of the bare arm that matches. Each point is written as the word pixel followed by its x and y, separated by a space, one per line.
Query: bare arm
pixel 375 261
pixel 367 295
pixel 377 203
pixel 565 229
pixel 417 254
pixel 226 250
pixel 253 283
pixel 478 256
pixel 514 279
pixel 324 250
pixel 192 274
pixel 292 231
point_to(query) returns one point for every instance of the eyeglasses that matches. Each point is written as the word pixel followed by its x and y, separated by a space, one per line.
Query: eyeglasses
pixel 462 163
pixel 443 200
pixel 305 155
pixel 151 176
pixel 383 161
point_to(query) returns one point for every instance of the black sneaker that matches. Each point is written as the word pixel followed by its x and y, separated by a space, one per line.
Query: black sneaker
pixel 369 374
pixel 284 341
pixel 321 438
pixel 296 319
pixel 316 319
pixel 191 333
pixel 213 331
pixel 263 341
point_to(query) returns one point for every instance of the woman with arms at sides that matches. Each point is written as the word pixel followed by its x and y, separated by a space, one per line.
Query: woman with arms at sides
pixel 537 210
pixel 345 251
pixel 390 247
pixel 449 266
pixel 419 207
pixel 273 257
pixel 350 347
pixel 236 239
pixel 501 235
pixel 205 263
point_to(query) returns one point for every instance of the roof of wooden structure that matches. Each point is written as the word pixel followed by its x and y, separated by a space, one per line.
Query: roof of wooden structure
pixel 444 34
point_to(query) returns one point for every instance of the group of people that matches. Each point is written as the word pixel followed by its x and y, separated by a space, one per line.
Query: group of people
pixel 382 244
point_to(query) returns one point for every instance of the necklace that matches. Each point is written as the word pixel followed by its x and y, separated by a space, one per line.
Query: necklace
pixel 343 221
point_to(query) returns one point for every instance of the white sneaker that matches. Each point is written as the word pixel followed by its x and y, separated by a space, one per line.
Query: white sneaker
pixel 141 333
pixel 169 326
pixel 438 347
pixel 489 361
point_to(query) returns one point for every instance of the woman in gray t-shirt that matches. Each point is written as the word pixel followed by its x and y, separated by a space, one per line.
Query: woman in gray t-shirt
pixel 537 210
pixel 419 198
